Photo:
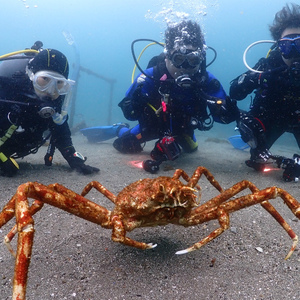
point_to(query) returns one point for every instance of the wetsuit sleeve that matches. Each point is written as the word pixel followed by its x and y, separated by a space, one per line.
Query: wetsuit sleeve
pixel 137 96
pixel 223 109
pixel 214 87
pixel 246 83
pixel 61 139
pixel 242 86
pixel 143 81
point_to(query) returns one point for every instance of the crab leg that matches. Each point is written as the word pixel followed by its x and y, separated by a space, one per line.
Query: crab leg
pixel 270 209
pixel 34 208
pixel 55 195
pixel 197 174
pixel 67 200
pixel 262 197
pixel 8 212
pixel 226 195
pixel 100 188
pixel 25 241
pixel 119 235
pixel 224 221
pixel 210 211
pixel 192 182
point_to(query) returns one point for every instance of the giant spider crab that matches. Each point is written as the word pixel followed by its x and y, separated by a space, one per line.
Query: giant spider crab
pixel 146 202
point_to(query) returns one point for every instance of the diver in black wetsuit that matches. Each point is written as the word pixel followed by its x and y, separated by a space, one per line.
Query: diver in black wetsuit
pixel 175 96
pixel 276 81
pixel 32 92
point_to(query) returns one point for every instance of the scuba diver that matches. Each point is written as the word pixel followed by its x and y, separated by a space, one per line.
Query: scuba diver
pixel 172 97
pixel 33 87
pixel 276 80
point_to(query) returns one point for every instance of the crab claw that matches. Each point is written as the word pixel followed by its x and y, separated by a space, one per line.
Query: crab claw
pixel 295 242
pixel 151 246
pixel 185 251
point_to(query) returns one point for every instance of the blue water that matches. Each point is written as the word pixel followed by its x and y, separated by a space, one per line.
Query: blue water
pixel 100 34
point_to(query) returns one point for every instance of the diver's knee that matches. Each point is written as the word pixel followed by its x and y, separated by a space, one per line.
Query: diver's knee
pixel 127 143
pixel 187 143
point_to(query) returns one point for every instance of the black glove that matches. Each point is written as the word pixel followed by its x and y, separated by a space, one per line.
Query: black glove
pixel 254 80
pixel 50 152
pixel 80 167
pixel 139 100
pixel 266 78
pixel 229 112
pixel 132 107
pixel 48 159
pixel 76 161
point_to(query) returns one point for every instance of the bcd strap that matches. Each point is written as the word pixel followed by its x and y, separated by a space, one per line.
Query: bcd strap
pixel 8 134
pixel 3 157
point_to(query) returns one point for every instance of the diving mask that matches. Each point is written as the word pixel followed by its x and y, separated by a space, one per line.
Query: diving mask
pixel 188 60
pixel 50 82
pixel 289 46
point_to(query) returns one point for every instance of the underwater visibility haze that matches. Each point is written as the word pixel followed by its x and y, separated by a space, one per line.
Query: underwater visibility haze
pixel 96 37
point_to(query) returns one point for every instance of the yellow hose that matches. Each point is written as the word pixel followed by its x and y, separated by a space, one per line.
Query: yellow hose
pixel 18 52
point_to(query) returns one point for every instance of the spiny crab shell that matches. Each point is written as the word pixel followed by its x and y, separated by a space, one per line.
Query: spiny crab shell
pixel 157 194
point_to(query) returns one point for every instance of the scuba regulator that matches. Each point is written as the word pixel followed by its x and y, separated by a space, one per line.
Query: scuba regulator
pixel 184 81
pixel 46 109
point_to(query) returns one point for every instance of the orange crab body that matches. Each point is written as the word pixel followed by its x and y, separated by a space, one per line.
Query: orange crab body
pixel 150 202
pixel 147 202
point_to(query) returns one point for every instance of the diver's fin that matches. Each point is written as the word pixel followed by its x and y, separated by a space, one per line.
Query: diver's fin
pixel 102 133
pixel 237 142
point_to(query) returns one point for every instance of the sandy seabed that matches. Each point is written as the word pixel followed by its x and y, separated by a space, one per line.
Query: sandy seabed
pixel 75 259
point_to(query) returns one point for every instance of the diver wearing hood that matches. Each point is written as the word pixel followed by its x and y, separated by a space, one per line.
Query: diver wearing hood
pixel 175 95
pixel 276 82
pixel 32 93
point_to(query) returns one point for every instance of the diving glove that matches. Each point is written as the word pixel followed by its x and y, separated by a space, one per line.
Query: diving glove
pixel 77 161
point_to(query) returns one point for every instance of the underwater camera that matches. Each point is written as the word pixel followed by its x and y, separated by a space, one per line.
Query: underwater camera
pixel 291 167
pixel 165 149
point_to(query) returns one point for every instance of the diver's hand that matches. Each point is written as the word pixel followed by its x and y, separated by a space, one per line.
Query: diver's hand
pixel 48 160
pixel 267 78
pixel 139 100
pixel 82 168
pixel 86 169
pixel 77 161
